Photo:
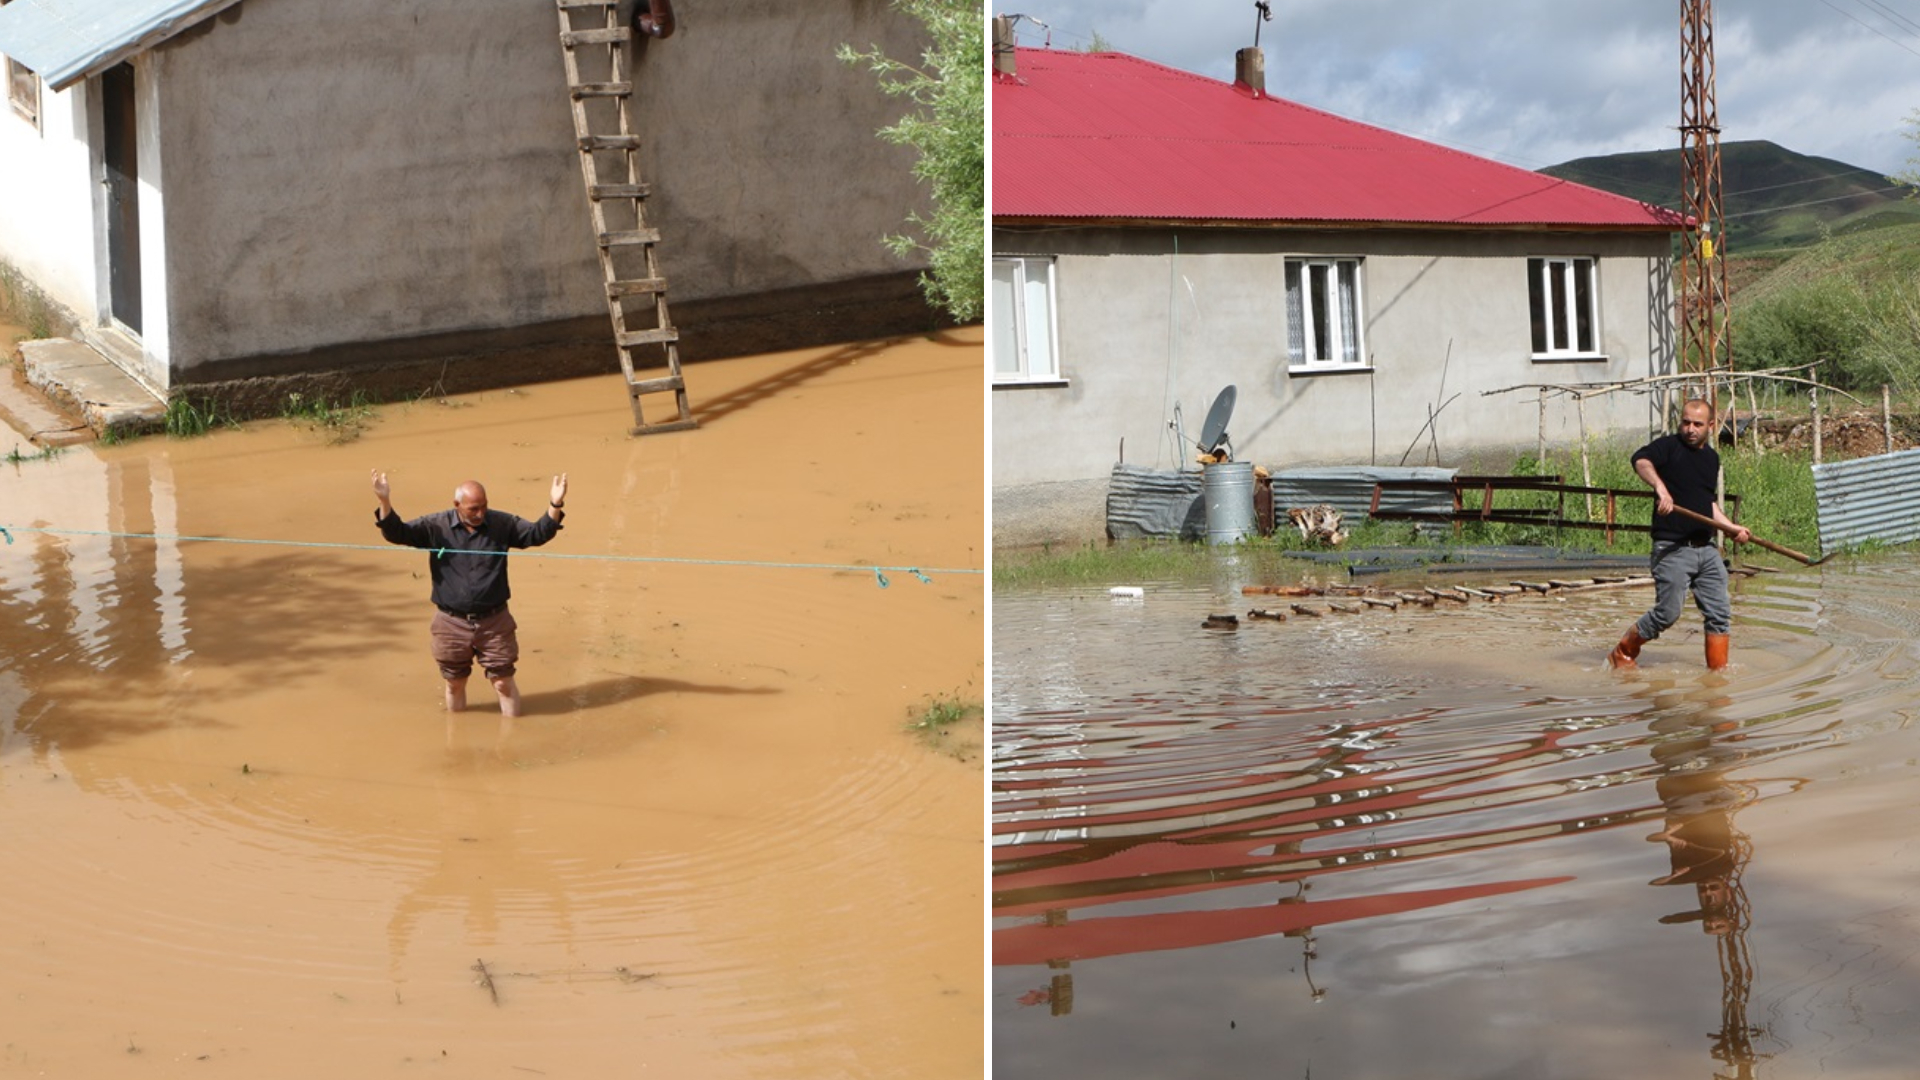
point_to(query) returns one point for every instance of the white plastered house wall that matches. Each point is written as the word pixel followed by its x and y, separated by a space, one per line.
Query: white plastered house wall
pixel 352 184
pixel 1152 323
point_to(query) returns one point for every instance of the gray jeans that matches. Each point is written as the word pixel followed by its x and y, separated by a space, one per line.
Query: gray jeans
pixel 1676 568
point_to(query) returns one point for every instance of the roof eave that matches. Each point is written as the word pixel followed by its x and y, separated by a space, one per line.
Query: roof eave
pixel 1091 221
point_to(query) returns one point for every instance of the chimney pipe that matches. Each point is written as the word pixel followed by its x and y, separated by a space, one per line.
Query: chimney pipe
pixel 1250 70
pixel 1003 46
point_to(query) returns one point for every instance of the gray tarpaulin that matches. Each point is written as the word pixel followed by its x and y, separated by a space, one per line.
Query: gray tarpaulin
pixel 1155 503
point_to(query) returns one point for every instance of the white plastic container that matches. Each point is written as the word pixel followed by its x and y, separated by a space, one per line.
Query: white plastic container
pixel 1127 592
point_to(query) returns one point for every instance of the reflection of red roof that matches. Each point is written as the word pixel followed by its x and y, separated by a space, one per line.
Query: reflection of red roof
pixel 1087 939
pixel 1110 136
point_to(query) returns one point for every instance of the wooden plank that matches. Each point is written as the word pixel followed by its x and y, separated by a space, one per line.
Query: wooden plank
pixel 629 237
pixel 589 143
pixel 654 386
pixel 618 191
pixel 612 35
pixel 637 287
pixel 663 428
pixel 630 338
pixel 1390 605
pixel 602 89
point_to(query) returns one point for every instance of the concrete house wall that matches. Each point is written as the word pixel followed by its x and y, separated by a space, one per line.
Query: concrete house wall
pixel 392 191
pixel 1153 318
pixel 46 199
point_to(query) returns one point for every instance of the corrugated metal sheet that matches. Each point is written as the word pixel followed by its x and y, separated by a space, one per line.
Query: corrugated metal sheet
pixel 1871 498
pixel 1111 136
pixel 1349 489
pixel 1144 503
pixel 65 41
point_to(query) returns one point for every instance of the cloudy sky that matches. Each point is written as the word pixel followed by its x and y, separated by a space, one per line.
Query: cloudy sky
pixel 1538 82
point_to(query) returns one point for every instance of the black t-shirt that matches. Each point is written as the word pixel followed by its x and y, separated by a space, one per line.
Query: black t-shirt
pixel 469 568
pixel 1691 477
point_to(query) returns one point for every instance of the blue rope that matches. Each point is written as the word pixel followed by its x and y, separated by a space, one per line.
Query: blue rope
pixel 879 576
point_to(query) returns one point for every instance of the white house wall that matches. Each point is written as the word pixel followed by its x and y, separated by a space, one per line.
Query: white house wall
pixel 45 170
pixel 357 172
pixel 1150 319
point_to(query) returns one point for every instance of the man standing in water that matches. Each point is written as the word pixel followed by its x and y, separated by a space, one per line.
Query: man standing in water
pixel 1684 470
pixel 468 559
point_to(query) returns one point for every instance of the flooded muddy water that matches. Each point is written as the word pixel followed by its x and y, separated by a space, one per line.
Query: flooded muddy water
pixel 1451 842
pixel 244 839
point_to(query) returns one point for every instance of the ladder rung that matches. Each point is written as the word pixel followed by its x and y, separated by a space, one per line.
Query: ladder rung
pixel 602 89
pixel 629 237
pixel 654 386
pixel 569 5
pixel 637 287
pixel 609 36
pixel 617 191
pixel 661 429
pixel 609 142
pixel 657 336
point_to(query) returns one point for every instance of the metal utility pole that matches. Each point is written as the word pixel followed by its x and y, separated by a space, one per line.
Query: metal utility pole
pixel 1704 310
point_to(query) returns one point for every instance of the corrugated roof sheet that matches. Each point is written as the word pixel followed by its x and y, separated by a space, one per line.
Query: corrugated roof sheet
pixel 65 41
pixel 1111 136
pixel 1868 499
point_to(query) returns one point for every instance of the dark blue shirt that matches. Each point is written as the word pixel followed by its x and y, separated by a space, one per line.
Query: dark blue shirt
pixel 469 566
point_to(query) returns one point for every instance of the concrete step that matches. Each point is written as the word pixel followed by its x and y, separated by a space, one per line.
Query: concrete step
pixel 78 381
pixel 32 418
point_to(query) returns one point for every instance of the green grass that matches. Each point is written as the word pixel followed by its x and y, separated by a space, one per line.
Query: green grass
pixel 188 417
pixel 44 453
pixel 343 421
pixel 950 723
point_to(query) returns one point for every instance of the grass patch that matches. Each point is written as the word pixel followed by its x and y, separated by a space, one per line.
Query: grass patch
pixel 188 417
pixel 44 453
pixel 950 723
pixel 342 421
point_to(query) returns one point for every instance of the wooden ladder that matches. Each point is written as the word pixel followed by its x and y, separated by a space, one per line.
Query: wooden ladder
pixel 636 291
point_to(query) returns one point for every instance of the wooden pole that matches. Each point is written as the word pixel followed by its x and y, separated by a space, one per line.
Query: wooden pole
pixel 1586 462
pixel 1753 418
pixel 1540 451
pixel 1813 395
pixel 1886 414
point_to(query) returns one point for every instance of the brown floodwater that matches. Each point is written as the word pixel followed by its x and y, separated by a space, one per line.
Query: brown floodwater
pixel 1451 843
pixel 242 837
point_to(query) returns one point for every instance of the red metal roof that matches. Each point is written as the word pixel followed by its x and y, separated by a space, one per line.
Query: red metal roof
pixel 1111 136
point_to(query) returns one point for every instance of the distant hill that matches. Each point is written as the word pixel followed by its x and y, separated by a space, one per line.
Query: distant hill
pixel 1774 199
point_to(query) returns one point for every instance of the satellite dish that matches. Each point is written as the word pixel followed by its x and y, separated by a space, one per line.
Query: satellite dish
pixel 1213 433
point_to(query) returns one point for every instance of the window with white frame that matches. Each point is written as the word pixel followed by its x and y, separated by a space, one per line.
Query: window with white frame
pixel 1024 343
pixel 1324 306
pixel 23 88
pixel 1563 298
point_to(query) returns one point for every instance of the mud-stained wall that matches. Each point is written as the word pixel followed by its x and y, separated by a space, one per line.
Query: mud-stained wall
pixel 355 185
pixel 1149 321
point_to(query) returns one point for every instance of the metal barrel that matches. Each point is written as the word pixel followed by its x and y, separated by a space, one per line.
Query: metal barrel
pixel 1228 489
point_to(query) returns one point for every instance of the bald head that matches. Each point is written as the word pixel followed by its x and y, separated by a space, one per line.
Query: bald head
pixel 470 501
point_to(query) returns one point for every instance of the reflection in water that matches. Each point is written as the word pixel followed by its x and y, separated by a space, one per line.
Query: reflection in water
pixel 1707 852
pixel 1163 800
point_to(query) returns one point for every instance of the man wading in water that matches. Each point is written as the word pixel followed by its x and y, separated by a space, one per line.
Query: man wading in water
pixel 1684 470
pixel 468 559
